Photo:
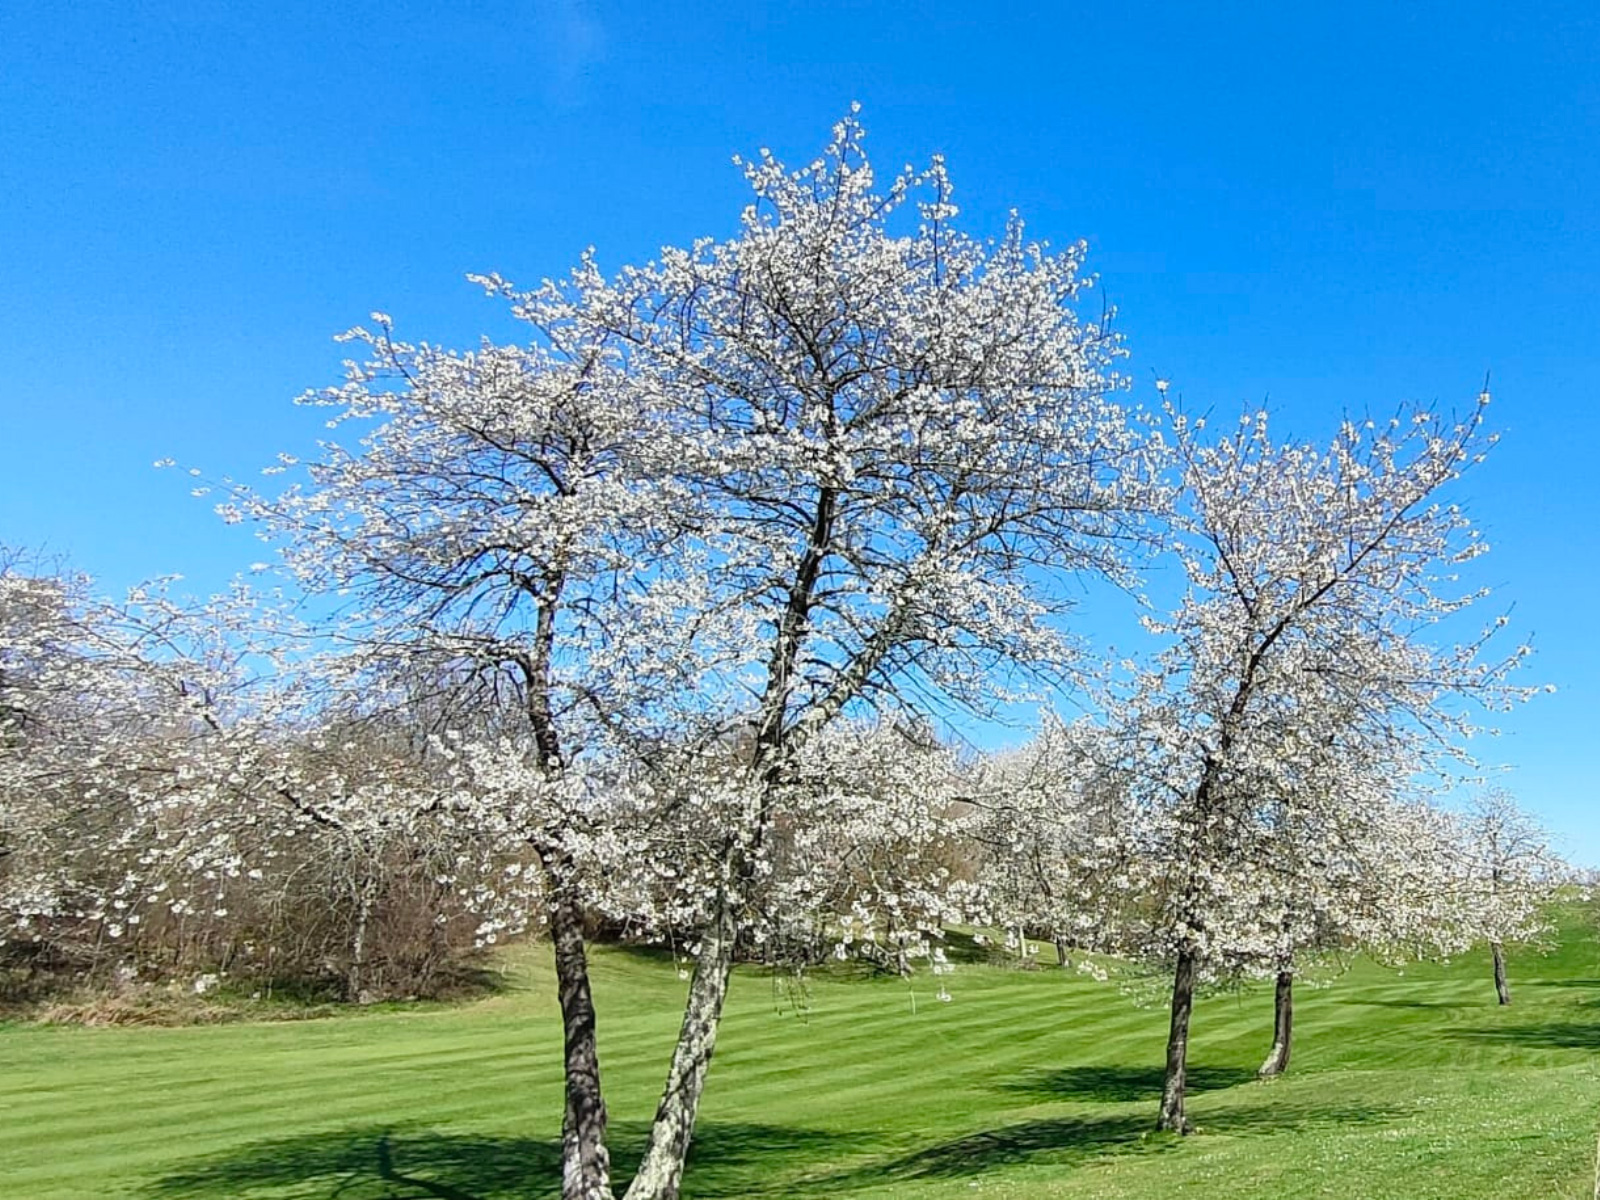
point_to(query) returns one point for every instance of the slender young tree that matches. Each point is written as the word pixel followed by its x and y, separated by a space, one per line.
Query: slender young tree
pixel 507 536
pixel 1510 875
pixel 1373 879
pixel 1299 676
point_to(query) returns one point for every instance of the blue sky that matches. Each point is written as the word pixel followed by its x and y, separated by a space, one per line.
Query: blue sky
pixel 1328 207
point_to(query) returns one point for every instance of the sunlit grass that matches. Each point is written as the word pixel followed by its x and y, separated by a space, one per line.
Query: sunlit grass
pixel 1028 1084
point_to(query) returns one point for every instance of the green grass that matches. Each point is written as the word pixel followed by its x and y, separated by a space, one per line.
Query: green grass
pixel 1029 1084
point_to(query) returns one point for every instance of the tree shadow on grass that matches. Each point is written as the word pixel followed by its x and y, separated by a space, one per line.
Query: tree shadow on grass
pixel 1076 1140
pixel 960 946
pixel 1431 1004
pixel 1117 1085
pixel 1061 1140
pixel 372 1164
pixel 1555 1035
pixel 1590 984
pixel 1277 1115
pixel 727 1160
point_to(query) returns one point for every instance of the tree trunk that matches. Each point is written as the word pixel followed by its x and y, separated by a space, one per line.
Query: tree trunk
pixel 355 983
pixel 902 960
pixel 1282 1027
pixel 1501 988
pixel 661 1173
pixel 585 1162
pixel 1062 959
pixel 1183 975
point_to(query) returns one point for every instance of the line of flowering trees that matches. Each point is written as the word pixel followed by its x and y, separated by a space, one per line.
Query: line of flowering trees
pixel 647 621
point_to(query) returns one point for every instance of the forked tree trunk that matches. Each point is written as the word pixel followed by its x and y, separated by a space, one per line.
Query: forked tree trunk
pixel 585 1161
pixel 1282 1027
pixel 1502 989
pixel 1063 960
pixel 661 1173
pixel 1172 1088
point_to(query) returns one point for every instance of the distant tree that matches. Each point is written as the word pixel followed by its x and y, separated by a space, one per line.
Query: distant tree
pixel 177 794
pixel 862 855
pixel 1510 876
pixel 1051 820
pixel 112 717
pixel 1374 878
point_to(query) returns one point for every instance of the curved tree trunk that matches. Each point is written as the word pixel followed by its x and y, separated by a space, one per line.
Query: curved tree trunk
pixel 1172 1090
pixel 1502 989
pixel 585 1161
pixel 1282 1027
pixel 661 1173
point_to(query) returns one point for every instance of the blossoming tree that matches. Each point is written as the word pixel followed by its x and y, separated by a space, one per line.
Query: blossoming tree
pixel 1509 875
pixel 1300 680
pixel 1052 819
pixel 515 556
pixel 840 461
pixel 901 438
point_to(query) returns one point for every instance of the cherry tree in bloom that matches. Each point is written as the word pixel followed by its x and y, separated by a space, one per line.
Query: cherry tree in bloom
pixel 175 790
pixel 1402 878
pixel 359 813
pixel 1300 680
pixel 864 847
pixel 513 549
pixel 857 862
pixel 1508 877
pixel 895 438
pixel 1372 872
pixel 839 462
pixel 112 725
pixel 1052 818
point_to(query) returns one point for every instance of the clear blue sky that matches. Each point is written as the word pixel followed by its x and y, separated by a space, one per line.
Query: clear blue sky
pixel 1334 206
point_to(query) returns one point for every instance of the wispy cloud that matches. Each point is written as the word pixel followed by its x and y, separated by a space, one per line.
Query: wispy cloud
pixel 574 41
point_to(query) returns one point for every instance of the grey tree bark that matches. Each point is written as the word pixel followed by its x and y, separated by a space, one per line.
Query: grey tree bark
pixel 1172 1089
pixel 1502 989
pixel 356 975
pixel 1282 1027
pixel 660 1174
pixel 585 1161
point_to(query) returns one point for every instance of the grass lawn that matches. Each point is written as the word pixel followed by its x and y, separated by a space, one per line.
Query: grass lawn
pixel 1029 1084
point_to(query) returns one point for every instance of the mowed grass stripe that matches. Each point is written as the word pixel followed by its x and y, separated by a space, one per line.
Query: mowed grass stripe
pixel 1032 1084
